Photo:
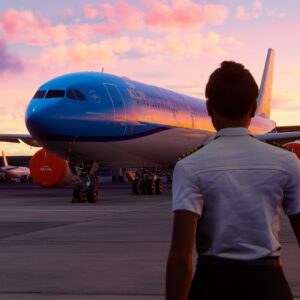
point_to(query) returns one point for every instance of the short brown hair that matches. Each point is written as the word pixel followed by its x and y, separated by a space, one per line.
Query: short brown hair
pixel 232 90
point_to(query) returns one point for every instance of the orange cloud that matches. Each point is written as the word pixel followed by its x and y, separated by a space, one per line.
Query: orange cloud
pixel 188 47
pixel 85 56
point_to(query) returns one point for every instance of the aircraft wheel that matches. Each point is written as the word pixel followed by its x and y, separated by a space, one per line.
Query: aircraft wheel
pixel 151 187
pixel 159 187
pixel 23 179
pixel 92 194
pixel 77 194
pixel 142 186
pixel 135 189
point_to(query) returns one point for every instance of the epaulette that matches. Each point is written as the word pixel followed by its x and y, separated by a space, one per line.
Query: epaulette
pixel 280 146
pixel 190 152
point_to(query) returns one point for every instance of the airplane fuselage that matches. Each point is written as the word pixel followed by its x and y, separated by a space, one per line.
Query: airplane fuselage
pixel 117 121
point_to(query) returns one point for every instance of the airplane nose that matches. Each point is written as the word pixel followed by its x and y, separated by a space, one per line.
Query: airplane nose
pixel 39 119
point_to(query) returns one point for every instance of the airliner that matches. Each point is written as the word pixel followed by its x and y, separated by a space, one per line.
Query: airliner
pixel 22 173
pixel 87 119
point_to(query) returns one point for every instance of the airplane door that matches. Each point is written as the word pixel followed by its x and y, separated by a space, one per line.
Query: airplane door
pixel 118 104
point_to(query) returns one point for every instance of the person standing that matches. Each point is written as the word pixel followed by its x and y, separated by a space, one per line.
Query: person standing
pixel 227 197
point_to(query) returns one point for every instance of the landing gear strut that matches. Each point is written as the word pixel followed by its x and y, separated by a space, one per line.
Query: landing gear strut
pixel 87 189
pixel 147 185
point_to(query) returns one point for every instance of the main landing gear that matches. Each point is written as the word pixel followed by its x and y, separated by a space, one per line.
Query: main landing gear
pixel 87 189
pixel 147 185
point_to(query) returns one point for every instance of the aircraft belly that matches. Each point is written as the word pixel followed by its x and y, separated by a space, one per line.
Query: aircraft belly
pixel 162 148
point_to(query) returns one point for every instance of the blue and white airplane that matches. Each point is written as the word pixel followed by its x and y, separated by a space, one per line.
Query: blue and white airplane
pixel 93 118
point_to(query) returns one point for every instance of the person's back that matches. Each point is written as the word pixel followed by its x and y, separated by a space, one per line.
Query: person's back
pixel 229 194
pixel 238 221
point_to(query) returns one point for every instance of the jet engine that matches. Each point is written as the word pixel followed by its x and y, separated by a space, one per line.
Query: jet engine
pixel 49 170
pixel 294 146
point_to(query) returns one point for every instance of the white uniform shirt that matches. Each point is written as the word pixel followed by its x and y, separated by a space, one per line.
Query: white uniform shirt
pixel 238 185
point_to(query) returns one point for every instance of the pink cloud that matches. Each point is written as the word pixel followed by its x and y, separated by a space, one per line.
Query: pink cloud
pixel 159 15
pixel 81 32
pixel 107 10
pixel 242 14
pixel 8 62
pixel 126 15
pixel 25 27
pixel 258 10
pixel 67 13
pixel 130 16
pixel 272 13
pixel 215 13
pixel 258 5
pixel 184 15
pixel 87 32
pixel 90 12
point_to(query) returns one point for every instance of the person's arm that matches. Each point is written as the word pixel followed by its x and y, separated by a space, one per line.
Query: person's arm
pixel 179 265
pixel 295 222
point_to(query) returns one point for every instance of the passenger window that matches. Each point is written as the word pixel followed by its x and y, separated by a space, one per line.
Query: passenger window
pixel 39 94
pixel 71 95
pixel 55 94
pixel 79 95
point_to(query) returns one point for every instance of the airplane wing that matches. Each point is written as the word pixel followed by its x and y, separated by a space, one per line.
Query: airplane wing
pixel 17 138
pixel 279 137
pixel 288 128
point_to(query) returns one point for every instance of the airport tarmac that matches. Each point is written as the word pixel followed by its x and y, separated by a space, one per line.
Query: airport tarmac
pixel 115 249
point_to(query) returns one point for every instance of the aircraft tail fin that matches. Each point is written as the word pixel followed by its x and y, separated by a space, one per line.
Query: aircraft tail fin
pixel 265 90
pixel 5 163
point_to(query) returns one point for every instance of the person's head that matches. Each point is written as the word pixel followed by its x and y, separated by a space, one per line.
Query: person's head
pixel 231 94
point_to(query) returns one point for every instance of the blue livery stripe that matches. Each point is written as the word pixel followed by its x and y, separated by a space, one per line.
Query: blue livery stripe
pixel 69 138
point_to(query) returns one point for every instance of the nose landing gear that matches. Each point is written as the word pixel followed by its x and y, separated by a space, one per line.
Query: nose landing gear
pixel 87 189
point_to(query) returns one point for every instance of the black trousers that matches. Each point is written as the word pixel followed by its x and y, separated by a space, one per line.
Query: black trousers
pixel 239 283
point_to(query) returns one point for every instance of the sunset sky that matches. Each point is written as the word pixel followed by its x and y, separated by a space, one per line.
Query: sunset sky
pixel 173 44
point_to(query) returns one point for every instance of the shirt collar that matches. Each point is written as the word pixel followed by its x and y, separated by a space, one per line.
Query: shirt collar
pixel 233 131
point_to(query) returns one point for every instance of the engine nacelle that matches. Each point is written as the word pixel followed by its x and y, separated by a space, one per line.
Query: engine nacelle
pixel 294 146
pixel 49 170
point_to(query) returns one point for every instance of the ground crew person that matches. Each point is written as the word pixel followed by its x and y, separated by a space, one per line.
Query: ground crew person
pixel 229 194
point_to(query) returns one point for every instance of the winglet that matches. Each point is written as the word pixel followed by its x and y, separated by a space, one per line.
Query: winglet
pixel 265 90
pixel 4 159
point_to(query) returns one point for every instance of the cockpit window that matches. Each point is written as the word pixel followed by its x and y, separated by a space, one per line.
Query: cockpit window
pixel 79 95
pixel 39 94
pixel 55 94
pixel 71 95
pixel 75 95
